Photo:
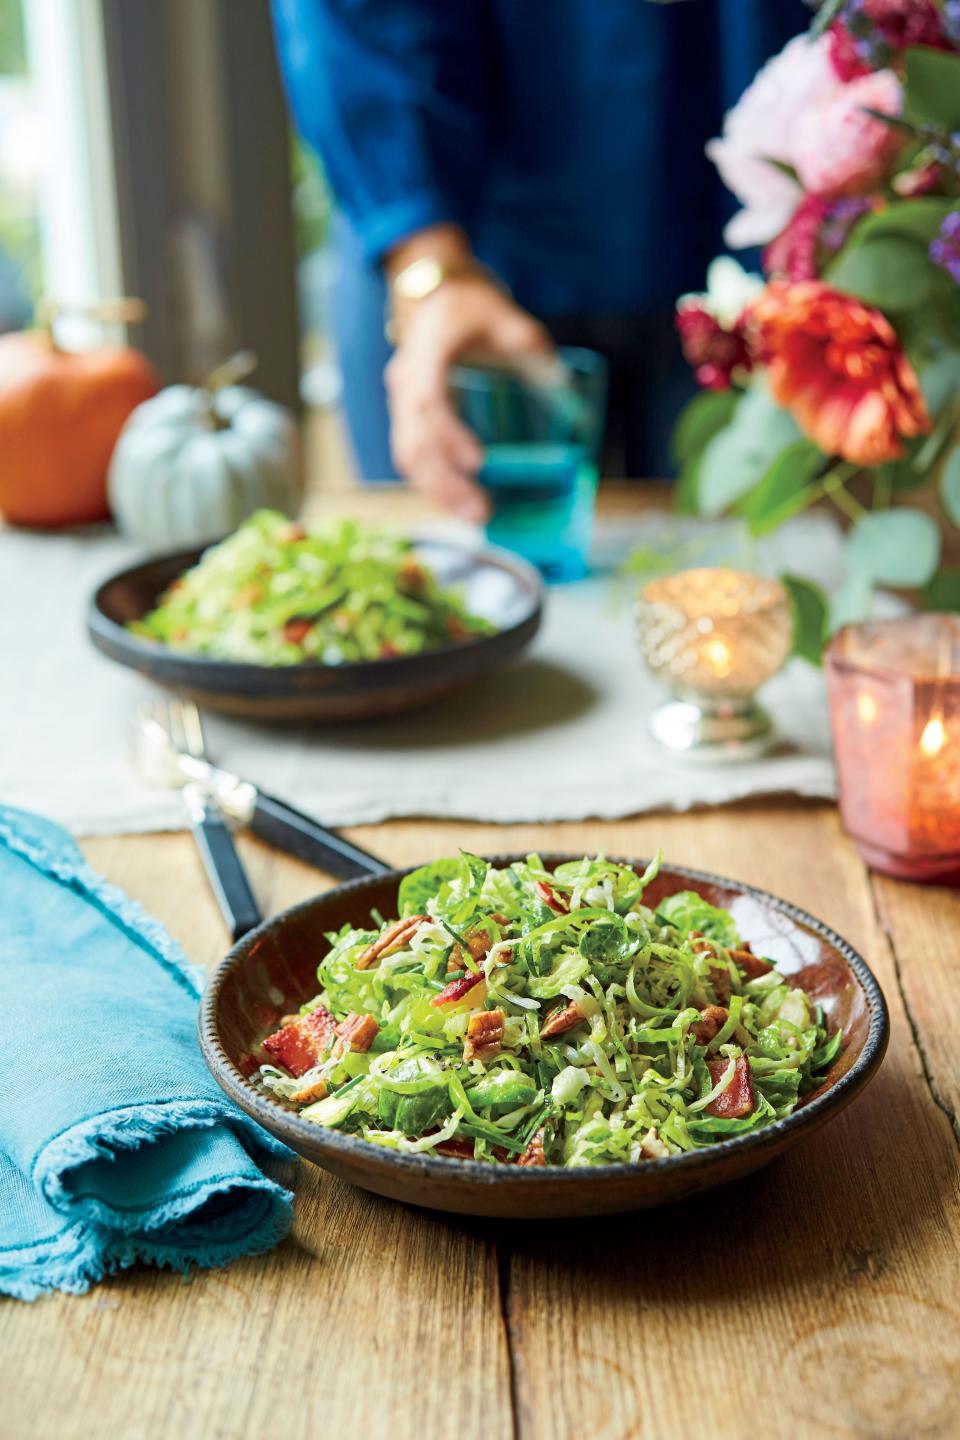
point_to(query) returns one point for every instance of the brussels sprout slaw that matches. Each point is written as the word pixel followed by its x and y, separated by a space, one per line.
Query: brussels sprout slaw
pixel 274 593
pixel 527 1016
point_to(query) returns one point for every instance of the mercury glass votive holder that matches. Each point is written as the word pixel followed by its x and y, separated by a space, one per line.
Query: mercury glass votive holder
pixel 714 636
pixel 894 688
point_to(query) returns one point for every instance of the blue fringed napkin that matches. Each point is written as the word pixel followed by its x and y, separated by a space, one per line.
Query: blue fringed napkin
pixel 116 1144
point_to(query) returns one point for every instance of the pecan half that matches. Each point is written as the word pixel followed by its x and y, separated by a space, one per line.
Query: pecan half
pixel 561 1019
pixel 533 1155
pixel 393 938
pixel 308 1093
pixel 357 1032
pixel 484 1034
pixel 711 1022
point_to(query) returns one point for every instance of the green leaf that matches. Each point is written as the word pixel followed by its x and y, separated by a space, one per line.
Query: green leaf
pixel 825 16
pixel 895 547
pixel 809 606
pixel 686 492
pixel 786 488
pixel 852 601
pixel 699 421
pixel 918 219
pixel 943 591
pixel 932 87
pixel 740 454
pixel 891 272
pixel 940 380
pixel 422 885
pixel 950 485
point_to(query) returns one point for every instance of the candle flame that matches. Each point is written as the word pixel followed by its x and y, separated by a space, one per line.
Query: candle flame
pixel 867 708
pixel 933 737
pixel 718 654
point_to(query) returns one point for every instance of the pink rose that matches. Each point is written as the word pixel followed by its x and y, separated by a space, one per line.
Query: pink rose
pixel 762 127
pixel 841 150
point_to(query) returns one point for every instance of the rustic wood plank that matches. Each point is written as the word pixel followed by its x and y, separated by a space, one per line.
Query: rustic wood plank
pixel 923 925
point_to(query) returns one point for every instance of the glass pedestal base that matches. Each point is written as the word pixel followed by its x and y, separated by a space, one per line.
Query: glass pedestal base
pixel 719 732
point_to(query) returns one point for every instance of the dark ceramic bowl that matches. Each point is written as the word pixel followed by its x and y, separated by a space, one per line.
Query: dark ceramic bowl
pixel 273 971
pixel 494 584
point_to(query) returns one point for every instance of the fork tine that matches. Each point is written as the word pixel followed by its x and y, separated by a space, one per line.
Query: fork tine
pixel 193 728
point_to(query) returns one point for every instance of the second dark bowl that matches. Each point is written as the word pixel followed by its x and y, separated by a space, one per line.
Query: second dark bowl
pixel 495 585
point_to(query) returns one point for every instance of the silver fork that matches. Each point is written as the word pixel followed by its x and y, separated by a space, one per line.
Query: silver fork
pixel 169 735
pixel 171 751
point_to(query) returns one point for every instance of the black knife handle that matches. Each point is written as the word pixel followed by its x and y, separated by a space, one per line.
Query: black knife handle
pixel 228 879
pixel 280 824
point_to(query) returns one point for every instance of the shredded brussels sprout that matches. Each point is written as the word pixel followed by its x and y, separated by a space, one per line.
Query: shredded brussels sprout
pixel 274 593
pixel 548 1017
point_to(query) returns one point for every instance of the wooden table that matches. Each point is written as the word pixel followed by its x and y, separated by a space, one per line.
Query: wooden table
pixel 818 1298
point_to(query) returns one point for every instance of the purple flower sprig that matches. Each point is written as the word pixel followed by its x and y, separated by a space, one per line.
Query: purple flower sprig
pixel 945 249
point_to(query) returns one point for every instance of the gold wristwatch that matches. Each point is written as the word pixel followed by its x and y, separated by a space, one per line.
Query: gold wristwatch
pixel 425 275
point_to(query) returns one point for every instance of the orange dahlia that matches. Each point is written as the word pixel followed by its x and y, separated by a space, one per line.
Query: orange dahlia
pixel 838 367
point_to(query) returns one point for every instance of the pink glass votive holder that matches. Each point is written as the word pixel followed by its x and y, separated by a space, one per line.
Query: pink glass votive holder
pixel 894 688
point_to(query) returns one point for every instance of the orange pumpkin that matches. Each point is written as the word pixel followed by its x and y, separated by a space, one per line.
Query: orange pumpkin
pixel 60 415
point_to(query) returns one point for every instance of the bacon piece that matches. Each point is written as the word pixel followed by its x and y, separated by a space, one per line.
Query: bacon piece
pixel 308 1093
pixel 455 1149
pixel 296 631
pixel 393 938
pixel 301 1044
pixel 700 943
pixel 561 1019
pixel 457 989
pixel 737 1100
pixel 357 1032
pixel 750 964
pixel 533 1155
pixel 711 1022
pixel 484 1034
pixel 550 897
pixel 719 978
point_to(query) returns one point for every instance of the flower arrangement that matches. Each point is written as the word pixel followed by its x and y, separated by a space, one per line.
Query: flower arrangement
pixel 836 375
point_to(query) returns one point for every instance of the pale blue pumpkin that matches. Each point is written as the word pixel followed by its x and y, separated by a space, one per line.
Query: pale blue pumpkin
pixel 192 463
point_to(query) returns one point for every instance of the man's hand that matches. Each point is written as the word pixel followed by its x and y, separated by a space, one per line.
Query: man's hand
pixel 467 317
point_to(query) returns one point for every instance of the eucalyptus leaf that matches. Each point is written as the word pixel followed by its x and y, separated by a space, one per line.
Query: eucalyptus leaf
pixel 950 485
pixel 890 271
pixel 809 607
pixel 739 456
pixel 895 547
pixel 940 380
pixel 699 421
pixel 851 601
pixel 932 87
pixel 786 488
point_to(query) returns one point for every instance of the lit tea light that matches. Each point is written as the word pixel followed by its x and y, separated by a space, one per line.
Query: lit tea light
pixel 714 636
pixel 895 712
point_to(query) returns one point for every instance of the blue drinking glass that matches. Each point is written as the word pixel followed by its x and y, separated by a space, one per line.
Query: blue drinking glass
pixel 541 431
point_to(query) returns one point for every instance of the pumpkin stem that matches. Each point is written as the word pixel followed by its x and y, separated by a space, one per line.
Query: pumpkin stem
pixel 123 310
pixel 230 372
